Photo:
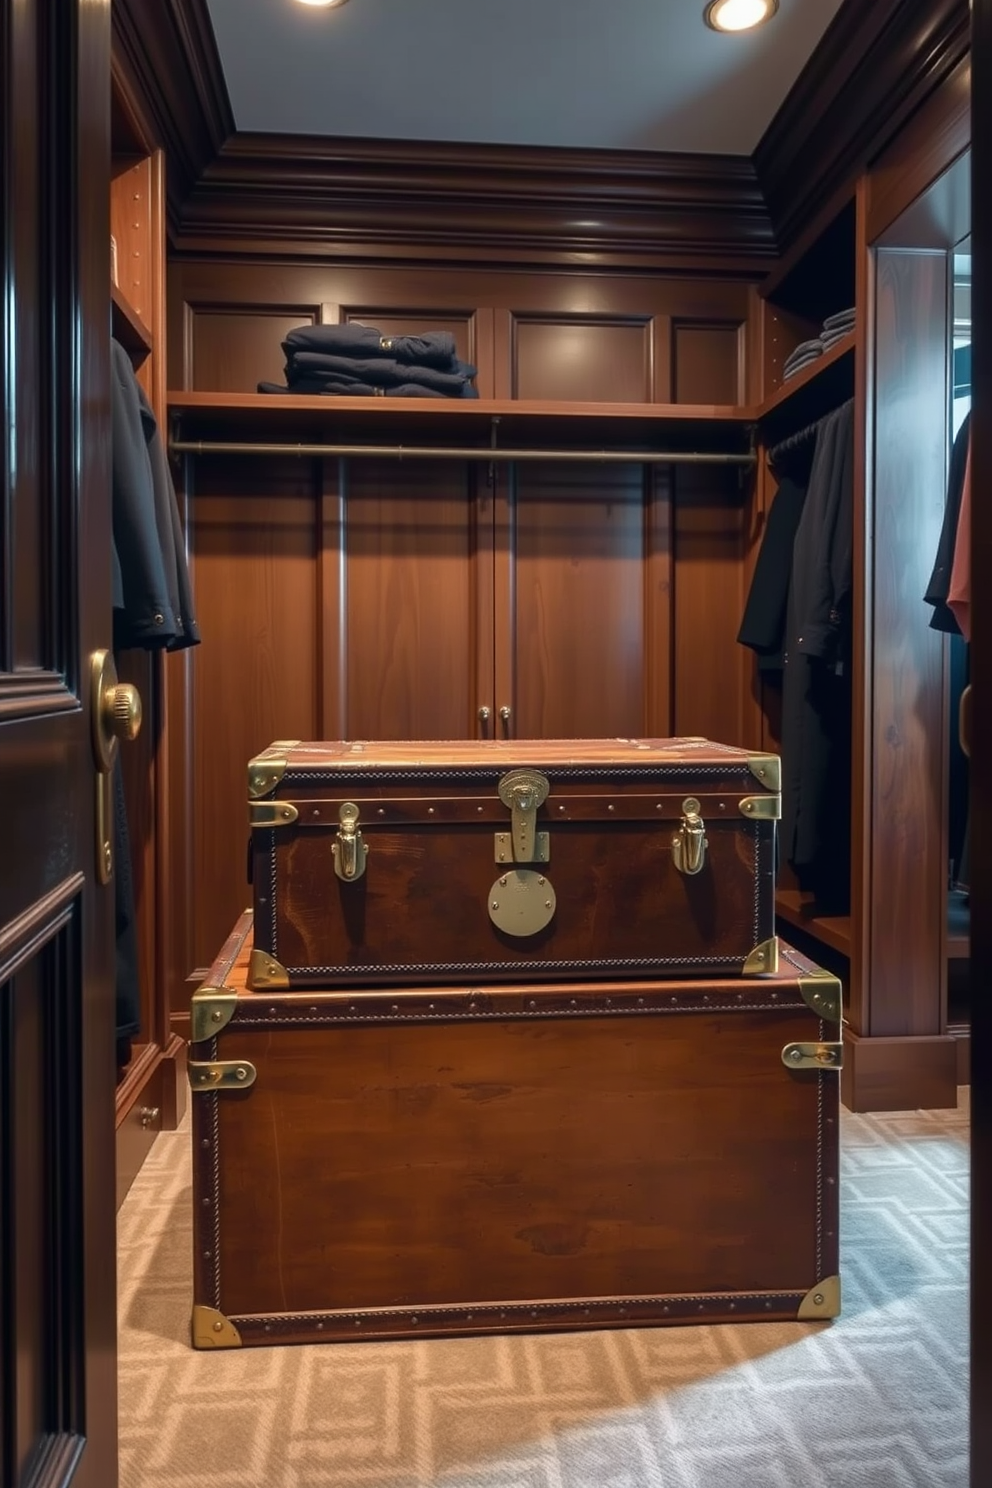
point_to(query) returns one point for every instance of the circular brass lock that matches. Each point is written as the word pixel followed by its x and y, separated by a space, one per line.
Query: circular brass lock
pixel 521 902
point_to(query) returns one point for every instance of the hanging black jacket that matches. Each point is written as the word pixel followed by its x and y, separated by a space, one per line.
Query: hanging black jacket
pixel 153 605
pixel 763 622
pixel 940 579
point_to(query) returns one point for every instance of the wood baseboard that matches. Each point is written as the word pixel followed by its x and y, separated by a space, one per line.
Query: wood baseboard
pixel 899 1074
pixel 150 1099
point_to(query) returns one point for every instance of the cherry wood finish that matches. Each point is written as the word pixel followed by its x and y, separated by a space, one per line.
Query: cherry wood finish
pixel 908 840
pixel 128 327
pixel 899 1074
pixel 536 1158
pixel 429 814
pixel 873 67
pixel 58 1379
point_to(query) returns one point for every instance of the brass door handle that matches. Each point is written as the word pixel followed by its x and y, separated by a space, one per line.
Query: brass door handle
pixel 115 713
pixel 484 716
pixel 505 715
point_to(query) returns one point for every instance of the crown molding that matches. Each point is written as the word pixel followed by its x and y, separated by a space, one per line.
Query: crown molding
pixel 310 196
pixel 874 66
pixel 167 67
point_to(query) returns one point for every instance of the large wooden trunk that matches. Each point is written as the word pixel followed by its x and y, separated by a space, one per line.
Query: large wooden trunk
pixel 382 1164
pixel 399 862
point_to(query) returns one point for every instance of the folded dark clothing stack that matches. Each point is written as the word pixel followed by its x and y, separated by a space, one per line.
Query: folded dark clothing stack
pixel 836 327
pixel 358 361
pixel 805 352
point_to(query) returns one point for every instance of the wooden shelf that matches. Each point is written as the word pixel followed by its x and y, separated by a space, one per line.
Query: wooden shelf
pixel 680 426
pixel 127 327
pixel 810 375
pixel 795 908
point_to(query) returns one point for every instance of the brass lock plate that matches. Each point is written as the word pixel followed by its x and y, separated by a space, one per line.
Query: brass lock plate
pixel 521 902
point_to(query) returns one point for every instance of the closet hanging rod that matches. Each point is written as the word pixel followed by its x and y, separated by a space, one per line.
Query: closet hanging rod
pixel 487 455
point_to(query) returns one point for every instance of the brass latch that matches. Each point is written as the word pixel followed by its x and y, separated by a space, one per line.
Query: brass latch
pixel 349 850
pixel 524 791
pixel 813 1056
pixel 223 1074
pixel 522 901
pixel 689 847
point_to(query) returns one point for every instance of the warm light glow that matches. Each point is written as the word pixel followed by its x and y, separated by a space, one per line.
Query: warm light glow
pixel 325 4
pixel 739 15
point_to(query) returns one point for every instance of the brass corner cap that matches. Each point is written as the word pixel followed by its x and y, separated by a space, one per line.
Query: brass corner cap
pixel 266 770
pixel 768 769
pixel 821 1302
pixel 210 1329
pixel 763 960
pixel 824 994
pixel 210 1010
pixel 265 972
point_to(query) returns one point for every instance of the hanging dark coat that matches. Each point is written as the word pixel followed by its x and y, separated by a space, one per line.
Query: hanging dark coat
pixel 816 692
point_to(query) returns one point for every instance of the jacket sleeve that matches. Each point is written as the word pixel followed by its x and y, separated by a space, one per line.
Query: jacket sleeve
pixel 825 615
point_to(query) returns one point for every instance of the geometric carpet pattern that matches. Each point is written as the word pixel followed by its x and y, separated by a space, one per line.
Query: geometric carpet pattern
pixel 876 1399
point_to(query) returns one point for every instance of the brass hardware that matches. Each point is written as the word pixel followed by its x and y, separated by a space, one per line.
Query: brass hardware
pixel 521 902
pixel 272 813
pixel 484 714
pixel 761 808
pixel 824 994
pixel 350 852
pixel 689 847
pixel 763 959
pixel 505 713
pixel 964 721
pixel 822 1301
pixel 524 791
pixel 221 1074
pixel 265 973
pixel 115 713
pixel 768 769
pixel 210 1329
pixel 813 1056
pixel 266 771
pixel 149 1116
pixel 210 1010
pixel 542 847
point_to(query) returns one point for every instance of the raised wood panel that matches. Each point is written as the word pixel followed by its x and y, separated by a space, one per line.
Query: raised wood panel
pixel 582 361
pixel 40 1119
pixel 234 349
pixel 405 600
pixel 709 600
pixel 908 835
pixel 254 544
pixel 707 363
pixel 574 646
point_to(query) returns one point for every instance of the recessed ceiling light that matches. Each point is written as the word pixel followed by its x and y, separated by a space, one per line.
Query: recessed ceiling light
pixel 325 4
pixel 739 15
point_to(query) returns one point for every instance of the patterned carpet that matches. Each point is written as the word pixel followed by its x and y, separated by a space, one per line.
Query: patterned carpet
pixel 877 1399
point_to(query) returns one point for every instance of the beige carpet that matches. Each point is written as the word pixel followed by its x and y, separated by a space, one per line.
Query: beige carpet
pixel 877 1399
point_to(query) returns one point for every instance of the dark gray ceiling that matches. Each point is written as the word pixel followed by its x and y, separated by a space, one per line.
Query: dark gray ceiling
pixel 622 74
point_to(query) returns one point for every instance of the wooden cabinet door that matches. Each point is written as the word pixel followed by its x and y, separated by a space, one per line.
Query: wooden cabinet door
pixel 408 600
pixel 582 604
pixel 58 1324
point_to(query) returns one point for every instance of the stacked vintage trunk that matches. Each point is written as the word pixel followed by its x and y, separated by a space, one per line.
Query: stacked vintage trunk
pixel 510 1043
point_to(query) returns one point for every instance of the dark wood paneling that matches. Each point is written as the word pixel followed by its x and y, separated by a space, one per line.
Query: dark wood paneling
pixel 929 144
pixel 707 363
pixel 588 360
pixel 401 603
pixel 167 68
pixel 233 350
pixel 308 196
pixel 874 65
pixel 571 570
pixel 254 542
pixel 709 597
pixel 908 838
pixel 899 1074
